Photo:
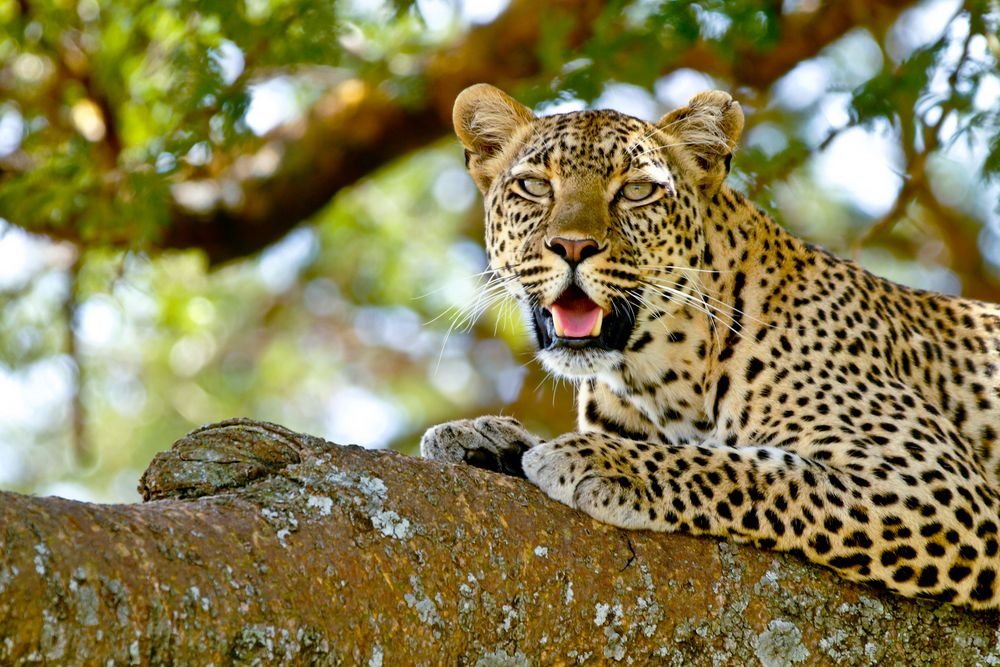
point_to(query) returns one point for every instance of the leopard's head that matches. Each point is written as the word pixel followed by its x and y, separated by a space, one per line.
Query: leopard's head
pixel 592 216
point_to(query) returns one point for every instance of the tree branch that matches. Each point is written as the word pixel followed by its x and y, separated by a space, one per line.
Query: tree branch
pixel 357 128
pixel 960 235
pixel 802 35
pixel 320 554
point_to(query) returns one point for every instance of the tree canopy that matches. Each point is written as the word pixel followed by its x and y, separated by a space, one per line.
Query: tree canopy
pixel 211 209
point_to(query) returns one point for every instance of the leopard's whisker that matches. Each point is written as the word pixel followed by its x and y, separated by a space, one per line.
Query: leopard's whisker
pixel 698 304
pixel 635 144
pixel 678 144
pixel 669 268
pixel 719 304
pixel 462 318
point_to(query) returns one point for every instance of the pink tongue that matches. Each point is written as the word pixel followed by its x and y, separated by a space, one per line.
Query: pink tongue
pixel 575 313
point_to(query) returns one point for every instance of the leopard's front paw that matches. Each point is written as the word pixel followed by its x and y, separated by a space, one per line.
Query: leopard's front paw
pixel 490 442
pixel 582 474
pixel 556 468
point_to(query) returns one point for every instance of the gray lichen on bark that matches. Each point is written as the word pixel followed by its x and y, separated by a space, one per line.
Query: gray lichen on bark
pixel 263 546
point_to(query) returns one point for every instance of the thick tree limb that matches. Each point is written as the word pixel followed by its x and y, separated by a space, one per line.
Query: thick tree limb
pixel 320 554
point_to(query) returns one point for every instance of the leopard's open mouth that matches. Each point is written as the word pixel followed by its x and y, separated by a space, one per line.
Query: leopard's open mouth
pixel 574 321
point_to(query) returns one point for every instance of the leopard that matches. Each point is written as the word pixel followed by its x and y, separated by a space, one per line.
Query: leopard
pixel 731 379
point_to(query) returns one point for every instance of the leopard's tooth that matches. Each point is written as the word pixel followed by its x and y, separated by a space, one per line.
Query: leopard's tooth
pixel 596 331
pixel 560 332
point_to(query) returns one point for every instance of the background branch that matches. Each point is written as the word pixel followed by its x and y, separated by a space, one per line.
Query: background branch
pixel 357 128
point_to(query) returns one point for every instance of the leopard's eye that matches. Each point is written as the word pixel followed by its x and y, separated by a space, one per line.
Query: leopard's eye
pixel 637 191
pixel 536 187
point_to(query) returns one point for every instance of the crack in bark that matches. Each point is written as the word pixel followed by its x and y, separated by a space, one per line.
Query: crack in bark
pixel 631 550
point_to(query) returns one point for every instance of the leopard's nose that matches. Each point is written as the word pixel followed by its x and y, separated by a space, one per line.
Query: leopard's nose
pixel 573 251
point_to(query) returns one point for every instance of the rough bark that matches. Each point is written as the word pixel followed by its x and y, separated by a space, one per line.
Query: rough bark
pixel 321 554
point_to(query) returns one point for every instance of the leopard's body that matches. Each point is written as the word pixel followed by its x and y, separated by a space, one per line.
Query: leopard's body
pixel 752 386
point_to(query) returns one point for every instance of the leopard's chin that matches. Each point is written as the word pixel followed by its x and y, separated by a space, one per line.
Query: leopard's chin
pixel 580 364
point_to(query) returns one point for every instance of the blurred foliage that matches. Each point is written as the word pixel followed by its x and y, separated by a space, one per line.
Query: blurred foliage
pixel 119 99
pixel 110 108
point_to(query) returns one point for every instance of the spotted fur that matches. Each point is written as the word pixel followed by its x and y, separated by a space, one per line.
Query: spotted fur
pixel 769 392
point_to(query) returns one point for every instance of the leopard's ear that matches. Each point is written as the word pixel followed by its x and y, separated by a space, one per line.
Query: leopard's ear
pixel 708 129
pixel 486 119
